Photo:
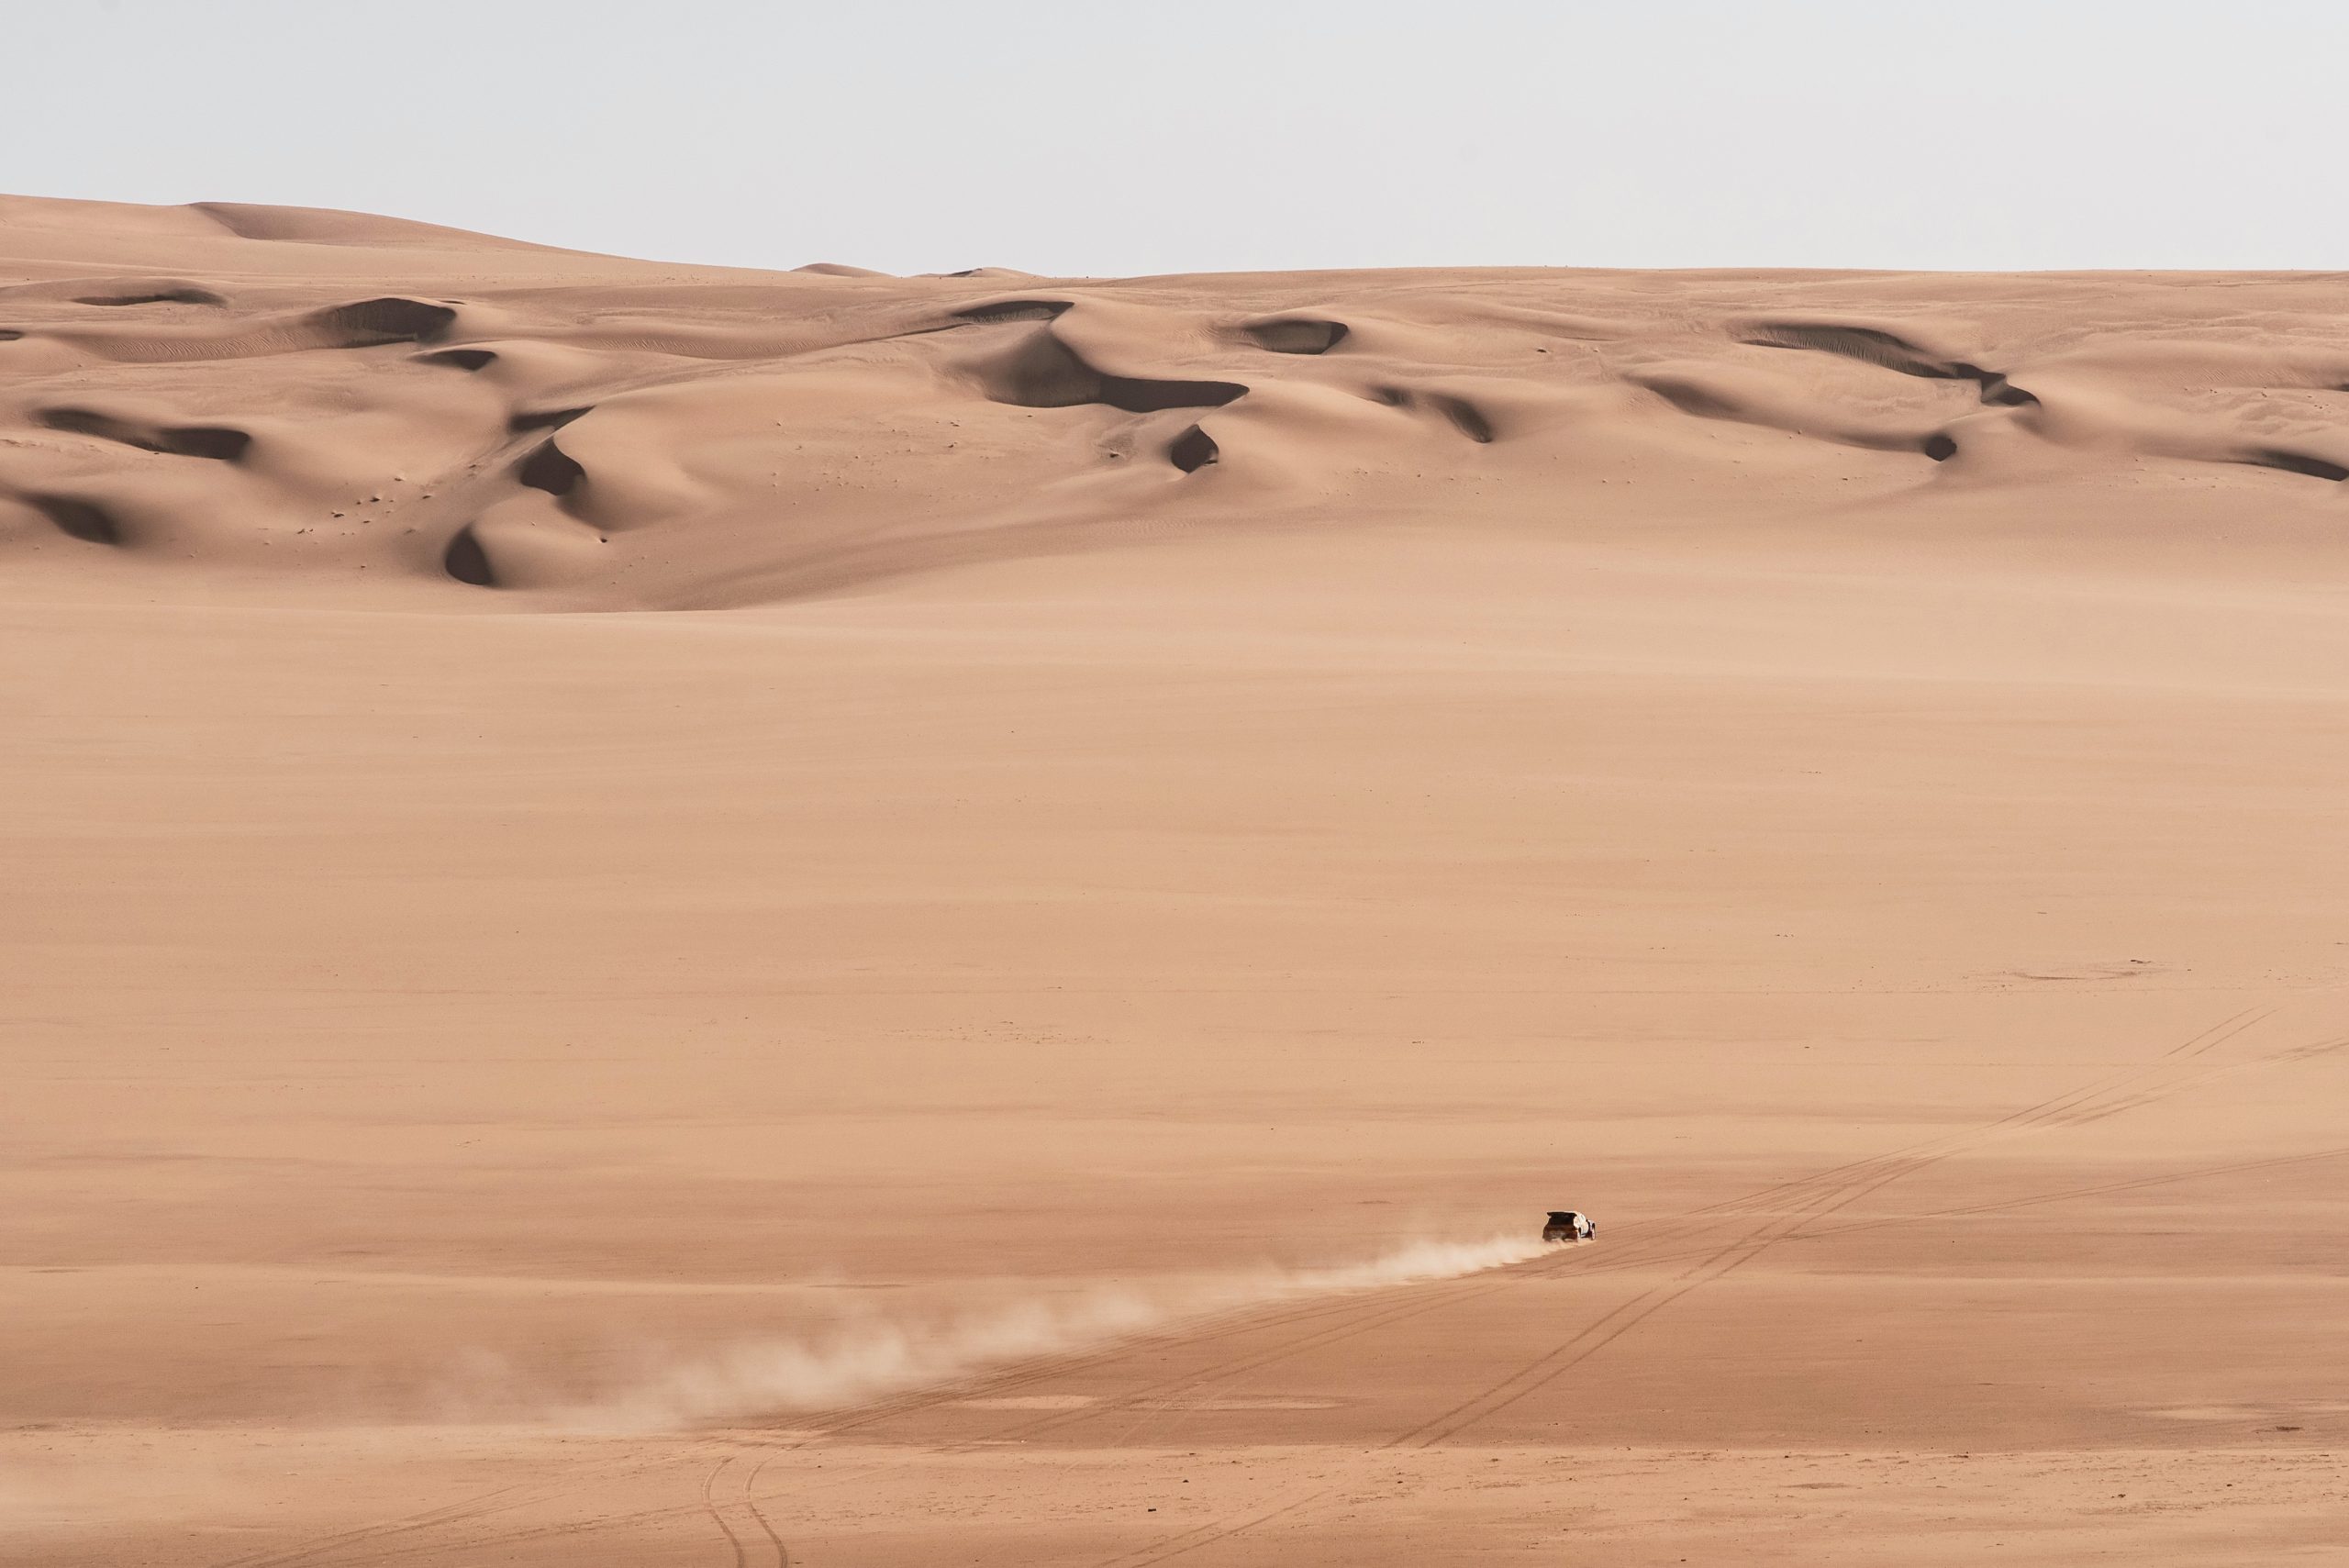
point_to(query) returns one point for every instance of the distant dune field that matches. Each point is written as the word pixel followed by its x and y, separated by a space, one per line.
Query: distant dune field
pixel 575 432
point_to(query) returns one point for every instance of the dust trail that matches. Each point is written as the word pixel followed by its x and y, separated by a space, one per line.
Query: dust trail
pixel 873 1360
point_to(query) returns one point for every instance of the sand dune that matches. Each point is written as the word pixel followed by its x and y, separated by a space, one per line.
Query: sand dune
pixel 1102 836
pixel 725 443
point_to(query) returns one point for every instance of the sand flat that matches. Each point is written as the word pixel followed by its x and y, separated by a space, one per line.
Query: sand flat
pixel 855 941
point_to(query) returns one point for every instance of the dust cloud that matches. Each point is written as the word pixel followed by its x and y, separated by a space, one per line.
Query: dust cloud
pixel 876 1359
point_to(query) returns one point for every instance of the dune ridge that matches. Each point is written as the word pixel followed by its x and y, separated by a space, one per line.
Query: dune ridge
pixel 730 442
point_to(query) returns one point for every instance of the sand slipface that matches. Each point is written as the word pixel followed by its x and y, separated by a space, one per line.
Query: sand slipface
pixel 688 915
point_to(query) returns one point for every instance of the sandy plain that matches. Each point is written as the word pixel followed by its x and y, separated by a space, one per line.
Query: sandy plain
pixel 672 916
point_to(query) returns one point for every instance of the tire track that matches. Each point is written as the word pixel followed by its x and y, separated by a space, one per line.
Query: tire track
pixel 2308 1052
pixel 1858 1178
pixel 1433 1432
pixel 1358 1318
pixel 373 1536
pixel 1818 1195
pixel 766 1527
pixel 1190 1540
pixel 1850 1183
pixel 1823 1193
pixel 2216 1034
pixel 475 1506
pixel 2073 1107
pixel 1626 1315
pixel 2068 1194
pixel 703 1505
pixel 709 1507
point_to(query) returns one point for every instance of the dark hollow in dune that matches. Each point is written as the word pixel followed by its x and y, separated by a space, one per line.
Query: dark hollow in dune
pixel 465 561
pixel 1690 399
pixel 1998 390
pixel 1393 396
pixel 10 334
pixel 1465 417
pixel 1938 446
pixel 1873 346
pixel 83 519
pixel 551 469
pixel 1296 335
pixel 1866 344
pixel 1012 311
pixel 2296 462
pixel 1193 451
pixel 86 422
pixel 221 443
pixel 1044 372
pixel 463 359
pixel 1137 396
pixel 392 320
pixel 158 296
pixel 523 423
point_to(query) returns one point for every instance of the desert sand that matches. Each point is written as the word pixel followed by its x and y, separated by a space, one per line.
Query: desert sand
pixel 682 916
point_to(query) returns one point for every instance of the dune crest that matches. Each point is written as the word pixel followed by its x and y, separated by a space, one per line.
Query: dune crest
pixel 730 441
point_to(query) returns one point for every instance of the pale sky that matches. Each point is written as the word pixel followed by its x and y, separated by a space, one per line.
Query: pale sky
pixel 1205 135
